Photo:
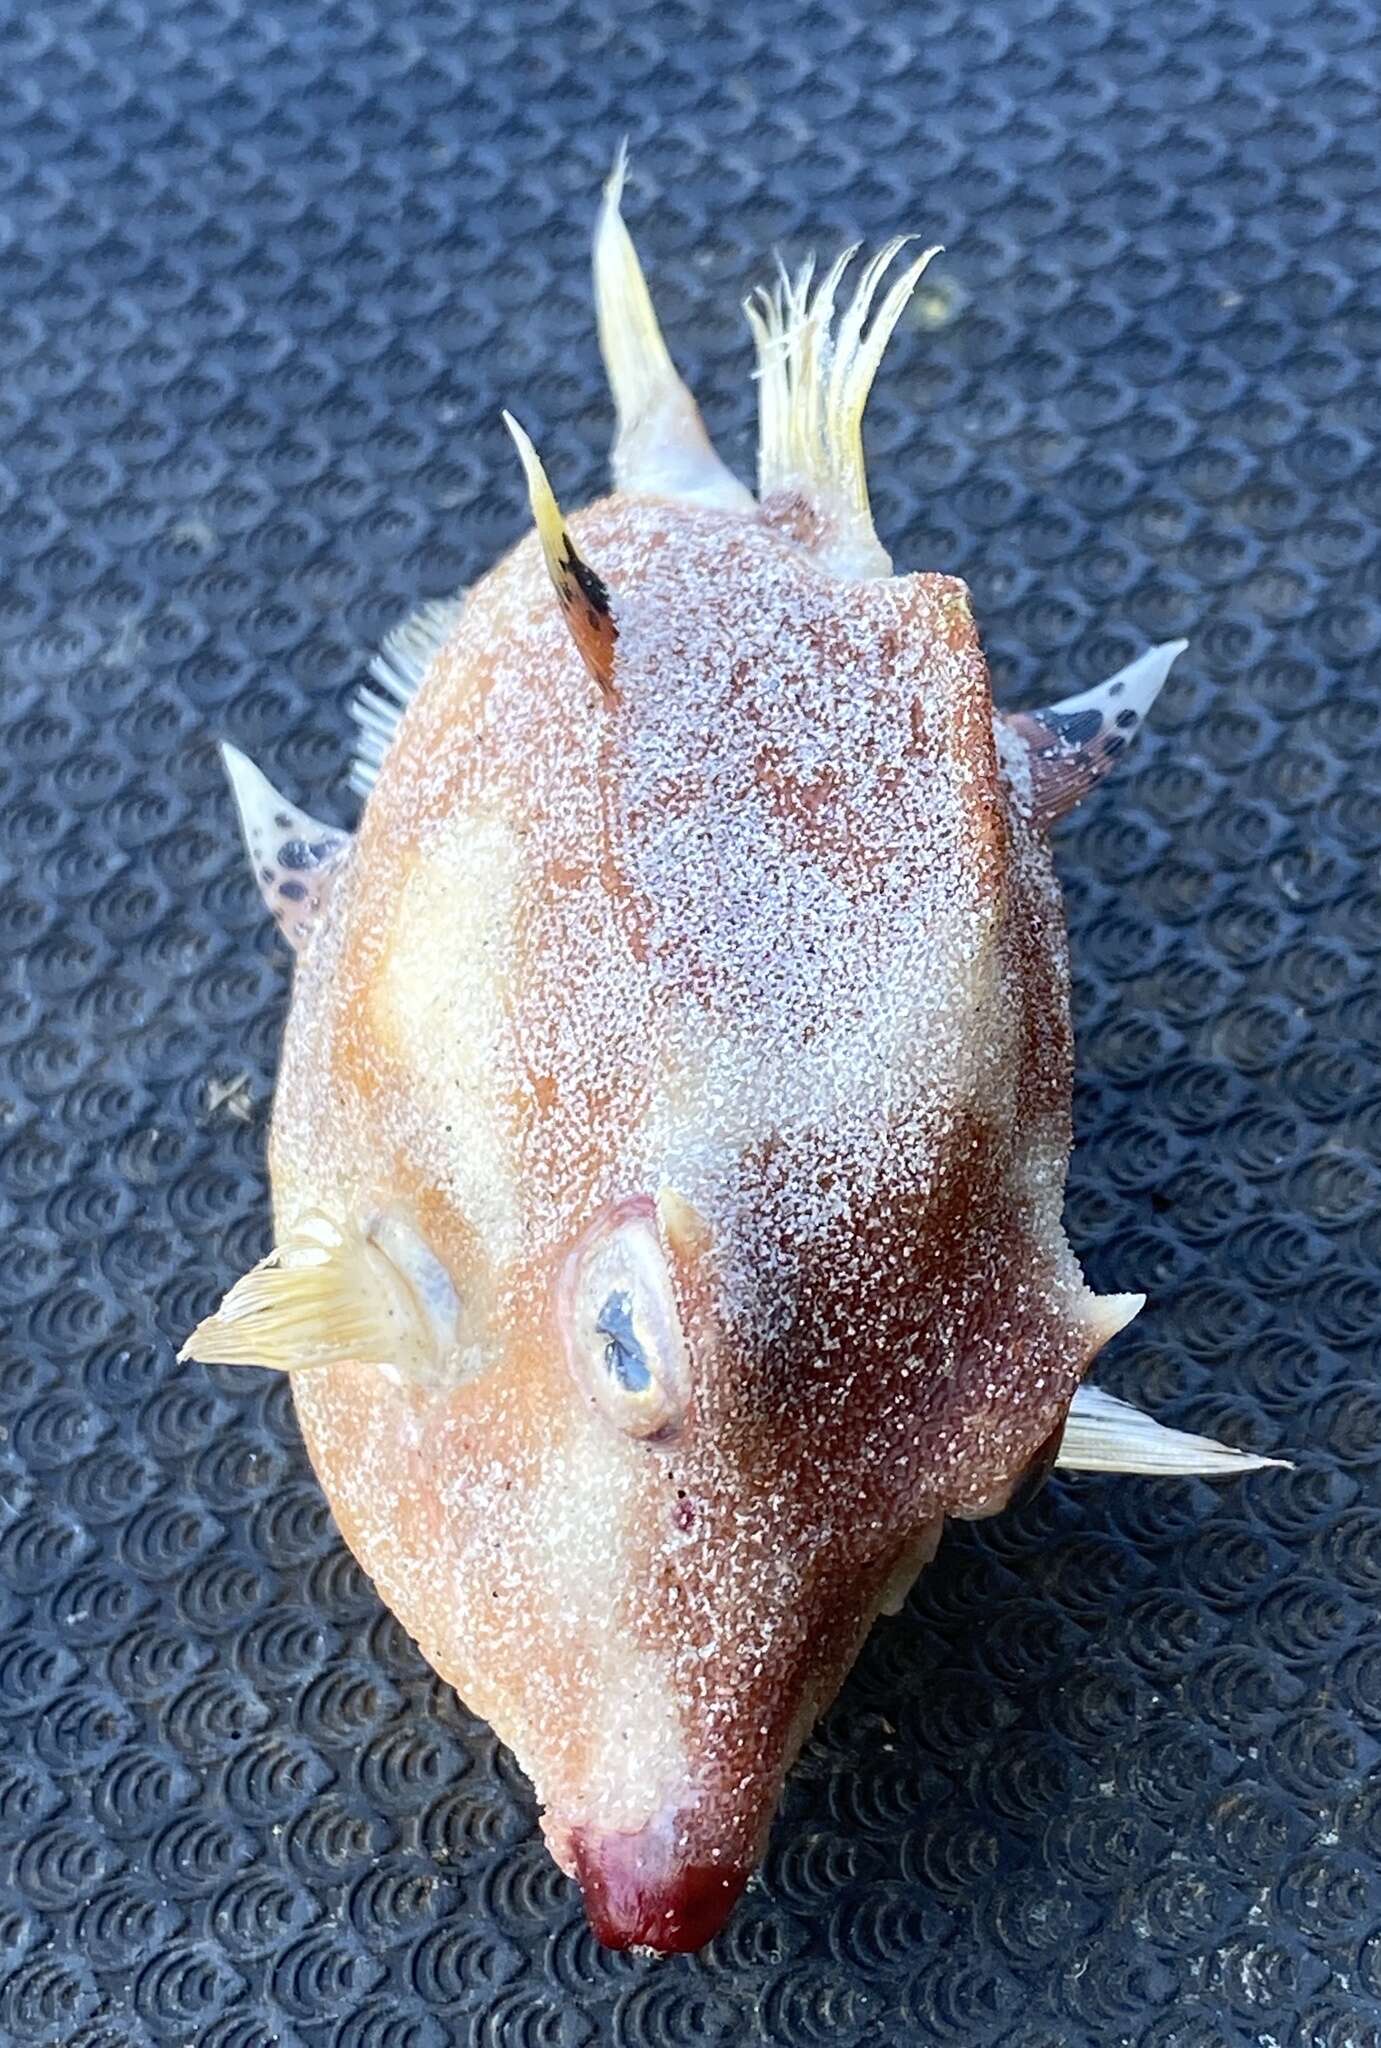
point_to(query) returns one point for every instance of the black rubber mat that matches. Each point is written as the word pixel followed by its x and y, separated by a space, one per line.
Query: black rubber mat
pixel 269 273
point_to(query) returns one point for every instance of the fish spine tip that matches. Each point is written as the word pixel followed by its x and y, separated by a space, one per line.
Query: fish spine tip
pixel 581 592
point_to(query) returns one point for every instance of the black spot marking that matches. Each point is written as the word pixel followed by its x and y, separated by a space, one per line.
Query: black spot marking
pixel 301 854
pixel 295 892
pixel 1127 720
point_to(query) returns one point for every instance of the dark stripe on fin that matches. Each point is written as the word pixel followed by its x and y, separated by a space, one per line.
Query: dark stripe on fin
pixel 583 595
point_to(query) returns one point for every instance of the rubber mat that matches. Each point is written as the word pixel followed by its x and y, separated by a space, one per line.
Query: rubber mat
pixel 269 273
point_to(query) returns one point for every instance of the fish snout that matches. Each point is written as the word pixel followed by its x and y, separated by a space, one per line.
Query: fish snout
pixel 642 1892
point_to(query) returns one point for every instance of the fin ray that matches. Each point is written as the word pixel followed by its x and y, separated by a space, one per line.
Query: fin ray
pixel 814 378
pixel 322 1296
pixel 1103 1434
pixel 1072 745
pixel 396 674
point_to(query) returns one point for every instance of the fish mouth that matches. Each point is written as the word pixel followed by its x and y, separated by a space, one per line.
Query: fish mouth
pixel 640 1893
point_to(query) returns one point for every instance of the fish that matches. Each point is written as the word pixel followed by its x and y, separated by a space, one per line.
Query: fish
pixel 673 1116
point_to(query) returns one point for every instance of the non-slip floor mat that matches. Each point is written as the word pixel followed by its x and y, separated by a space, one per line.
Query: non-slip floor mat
pixel 269 273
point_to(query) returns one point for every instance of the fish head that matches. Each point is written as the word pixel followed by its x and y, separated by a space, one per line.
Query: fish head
pixel 735 1514
pixel 755 1481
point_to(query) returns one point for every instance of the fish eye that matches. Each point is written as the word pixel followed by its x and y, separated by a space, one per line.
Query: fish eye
pixel 620 1326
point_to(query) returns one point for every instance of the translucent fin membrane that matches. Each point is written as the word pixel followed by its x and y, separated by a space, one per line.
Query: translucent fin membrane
pixel 1075 743
pixel 813 385
pixel 661 445
pixel 322 1296
pixel 1104 1434
pixel 292 854
pixel 398 669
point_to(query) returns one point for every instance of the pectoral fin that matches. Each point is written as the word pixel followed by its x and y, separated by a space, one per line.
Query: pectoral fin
pixel 323 1295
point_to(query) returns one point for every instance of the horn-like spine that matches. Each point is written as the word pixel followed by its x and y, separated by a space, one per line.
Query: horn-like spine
pixel 583 595
pixel 660 445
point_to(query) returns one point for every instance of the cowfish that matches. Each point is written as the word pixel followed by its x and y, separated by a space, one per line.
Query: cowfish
pixel 670 1139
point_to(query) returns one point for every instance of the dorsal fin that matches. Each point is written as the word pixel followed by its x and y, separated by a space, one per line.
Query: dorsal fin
pixel 1073 744
pixel 398 668
pixel 813 385
pixel 1103 1434
pixel 583 596
pixel 294 856
pixel 661 445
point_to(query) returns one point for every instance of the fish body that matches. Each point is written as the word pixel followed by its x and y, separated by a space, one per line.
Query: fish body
pixel 671 1133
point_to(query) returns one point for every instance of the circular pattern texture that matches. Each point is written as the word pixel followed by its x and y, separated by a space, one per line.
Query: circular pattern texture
pixel 271 270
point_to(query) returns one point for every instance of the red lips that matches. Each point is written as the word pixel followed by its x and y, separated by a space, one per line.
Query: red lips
pixel 638 1895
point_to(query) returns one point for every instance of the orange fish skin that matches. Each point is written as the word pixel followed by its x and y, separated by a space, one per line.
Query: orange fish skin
pixel 672 1126
pixel 772 931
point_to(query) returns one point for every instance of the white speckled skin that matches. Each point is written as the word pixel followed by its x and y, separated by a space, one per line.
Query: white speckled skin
pixel 772 931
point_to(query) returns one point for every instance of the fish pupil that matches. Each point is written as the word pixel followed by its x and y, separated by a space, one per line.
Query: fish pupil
pixel 623 1354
